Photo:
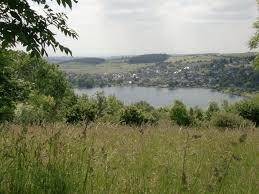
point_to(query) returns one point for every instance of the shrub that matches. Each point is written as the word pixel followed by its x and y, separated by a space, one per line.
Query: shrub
pixel 229 120
pixel 196 116
pixel 144 106
pixel 38 109
pixel 101 104
pixel 179 114
pixel 134 115
pixel 212 108
pixel 83 111
pixel 249 109
pixel 198 113
pixel 151 117
pixel 113 109
pixel 225 105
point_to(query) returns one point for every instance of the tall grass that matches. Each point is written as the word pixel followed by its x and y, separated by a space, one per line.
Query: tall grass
pixel 59 158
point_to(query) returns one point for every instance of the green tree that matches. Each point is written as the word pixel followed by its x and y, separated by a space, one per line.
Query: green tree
pixel 101 103
pixel 38 109
pixel 22 75
pixel 133 116
pixel 179 114
pixel 138 114
pixel 20 23
pixel 44 77
pixel 113 109
pixel 145 106
pixel 12 89
pixel 84 110
pixel 249 109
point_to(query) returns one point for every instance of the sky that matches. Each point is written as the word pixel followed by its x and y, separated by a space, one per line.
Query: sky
pixel 132 27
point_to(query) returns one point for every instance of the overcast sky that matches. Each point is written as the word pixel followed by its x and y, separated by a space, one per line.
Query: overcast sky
pixel 129 27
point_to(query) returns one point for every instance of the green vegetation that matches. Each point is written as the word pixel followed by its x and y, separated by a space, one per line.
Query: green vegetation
pixel 11 88
pixel 105 68
pixel 32 88
pixel 151 58
pixel 46 95
pixel 229 120
pixel 118 159
pixel 249 109
pixel 230 73
pixel 139 114
pixel 91 61
pixel 179 114
pixel 52 141
pixel 22 23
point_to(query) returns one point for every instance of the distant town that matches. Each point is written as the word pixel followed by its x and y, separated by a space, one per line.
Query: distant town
pixel 230 72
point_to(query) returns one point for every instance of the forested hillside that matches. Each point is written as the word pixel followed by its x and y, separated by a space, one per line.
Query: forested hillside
pixel 87 61
pixel 151 58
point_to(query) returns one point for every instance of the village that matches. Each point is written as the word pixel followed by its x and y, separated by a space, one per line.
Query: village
pixel 234 73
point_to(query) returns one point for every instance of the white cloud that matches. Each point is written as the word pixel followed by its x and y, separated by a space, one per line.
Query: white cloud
pixel 117 27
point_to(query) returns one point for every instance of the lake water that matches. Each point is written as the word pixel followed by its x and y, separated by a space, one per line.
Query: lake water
pixel 160 97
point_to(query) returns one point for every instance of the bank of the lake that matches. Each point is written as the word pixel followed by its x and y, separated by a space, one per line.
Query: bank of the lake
pixel 160 97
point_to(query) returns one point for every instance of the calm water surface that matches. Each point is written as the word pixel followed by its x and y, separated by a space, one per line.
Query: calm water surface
pixel 160 97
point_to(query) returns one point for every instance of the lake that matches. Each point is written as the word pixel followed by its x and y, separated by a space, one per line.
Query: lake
pixel 160 97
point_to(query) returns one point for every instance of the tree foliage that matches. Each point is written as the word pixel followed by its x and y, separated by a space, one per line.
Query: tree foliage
pixel 212 109
pixel 45 77
pixel 85 110
pixel 20 23
pixel 249 109
pixel 229 120
pixel 31 82
pixel 139 114
pixel 179 114
pixel 12 89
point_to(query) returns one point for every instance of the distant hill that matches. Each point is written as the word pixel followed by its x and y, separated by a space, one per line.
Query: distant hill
pixel 58 59
pixel 88 60
pixel 150 58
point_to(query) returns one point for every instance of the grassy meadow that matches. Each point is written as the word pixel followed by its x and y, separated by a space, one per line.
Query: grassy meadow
pixel 107 158
pixel 101 68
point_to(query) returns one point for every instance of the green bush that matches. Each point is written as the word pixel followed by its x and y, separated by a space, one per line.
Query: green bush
pixel 135 115
pixel 229 120
pixel 113 109
pixel 132 116
pixel 197 116
pixel 197 113
pixel 151 117
pixel 84 110
pixel 249 109
pixel 144 106
pixel 101 104
pixel 179 114
pixel 212 109
pixel 36 110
